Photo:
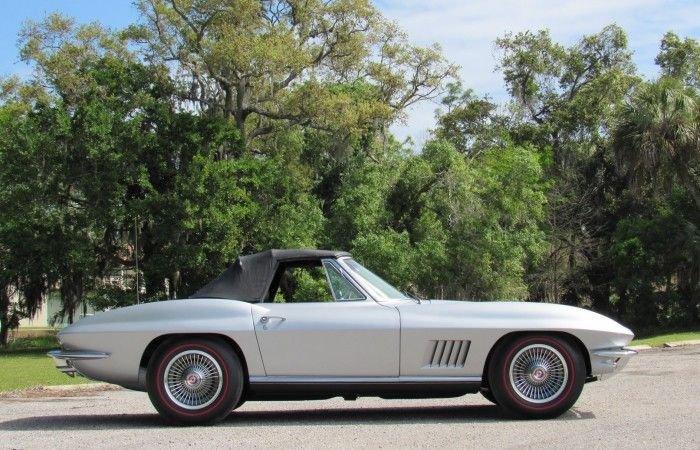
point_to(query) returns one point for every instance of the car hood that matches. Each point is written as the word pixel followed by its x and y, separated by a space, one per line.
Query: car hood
pixel 520 315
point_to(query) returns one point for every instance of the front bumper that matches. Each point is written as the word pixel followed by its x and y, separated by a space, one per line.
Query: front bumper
pixel 607 362
pixel 63 359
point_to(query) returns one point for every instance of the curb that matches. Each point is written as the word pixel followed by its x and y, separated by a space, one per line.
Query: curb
pixel 682 343
pixel 675 344
pixel 639 348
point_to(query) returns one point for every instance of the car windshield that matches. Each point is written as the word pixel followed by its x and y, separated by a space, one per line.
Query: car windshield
pixel 380 285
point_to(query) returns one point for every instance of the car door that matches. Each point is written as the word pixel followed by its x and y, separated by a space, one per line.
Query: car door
pixel 351 336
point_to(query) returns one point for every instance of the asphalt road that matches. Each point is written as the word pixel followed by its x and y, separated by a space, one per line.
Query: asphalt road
pixel 654 402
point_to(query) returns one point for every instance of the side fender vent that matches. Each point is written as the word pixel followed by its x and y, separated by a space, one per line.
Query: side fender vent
pixel 448 354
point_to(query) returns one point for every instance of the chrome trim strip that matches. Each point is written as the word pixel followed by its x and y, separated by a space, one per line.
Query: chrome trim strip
pixel 606 362
pixel 63 359
pixel 76 354
pixel 614 353
pixel 369 380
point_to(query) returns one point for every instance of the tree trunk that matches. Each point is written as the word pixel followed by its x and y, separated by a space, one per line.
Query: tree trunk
pixel 4 314
pixel 175 284
pixel 235 107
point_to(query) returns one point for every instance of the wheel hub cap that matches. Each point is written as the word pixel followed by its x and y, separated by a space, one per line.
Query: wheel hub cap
pixel 538 373
pixel 193 379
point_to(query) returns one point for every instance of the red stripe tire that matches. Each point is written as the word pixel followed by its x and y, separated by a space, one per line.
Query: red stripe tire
pixel 195 380
pixel 536 376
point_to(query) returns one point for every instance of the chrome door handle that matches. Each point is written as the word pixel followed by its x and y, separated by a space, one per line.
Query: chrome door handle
pixel 266 319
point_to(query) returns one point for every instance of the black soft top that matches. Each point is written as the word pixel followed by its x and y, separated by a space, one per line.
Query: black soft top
pixel 250 277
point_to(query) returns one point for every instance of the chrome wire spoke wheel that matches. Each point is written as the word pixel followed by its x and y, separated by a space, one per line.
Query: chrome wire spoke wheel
pixel 538 373
pixel 193 379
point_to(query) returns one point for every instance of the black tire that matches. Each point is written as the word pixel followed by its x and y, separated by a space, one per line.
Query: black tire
pixel 533 389
pixel 488 395
pixel 220 388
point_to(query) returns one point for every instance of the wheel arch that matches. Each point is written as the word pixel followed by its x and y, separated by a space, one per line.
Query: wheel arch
pixel 175 337
pixel 572 339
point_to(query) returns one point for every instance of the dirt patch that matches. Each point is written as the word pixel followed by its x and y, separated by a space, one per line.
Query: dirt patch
pixel 69 390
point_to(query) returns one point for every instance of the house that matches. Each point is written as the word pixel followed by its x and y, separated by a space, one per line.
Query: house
pixel 47 314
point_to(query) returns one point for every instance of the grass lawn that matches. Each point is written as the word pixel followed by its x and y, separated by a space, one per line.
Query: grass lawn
pixel 27 368
pixel 46 342
pixel 659 340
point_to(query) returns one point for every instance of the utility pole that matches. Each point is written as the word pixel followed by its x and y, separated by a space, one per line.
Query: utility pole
pixel 136 257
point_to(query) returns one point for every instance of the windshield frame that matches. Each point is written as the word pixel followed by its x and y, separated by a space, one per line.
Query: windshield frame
pixel 375 291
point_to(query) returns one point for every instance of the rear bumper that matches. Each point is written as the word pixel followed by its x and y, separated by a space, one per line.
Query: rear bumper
pixel 63 359
pixel 607 362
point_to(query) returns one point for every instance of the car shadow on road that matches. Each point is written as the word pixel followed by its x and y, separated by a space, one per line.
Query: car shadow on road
pixel 291 417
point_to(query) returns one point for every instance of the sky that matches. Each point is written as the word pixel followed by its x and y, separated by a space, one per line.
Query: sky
pixel 466 30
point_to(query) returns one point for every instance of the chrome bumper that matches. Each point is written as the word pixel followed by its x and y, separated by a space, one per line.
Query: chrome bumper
pixel 63 359
pixel 608 361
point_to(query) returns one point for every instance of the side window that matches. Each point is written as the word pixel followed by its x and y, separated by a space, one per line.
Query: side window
pixel 303 284
pixel 343 289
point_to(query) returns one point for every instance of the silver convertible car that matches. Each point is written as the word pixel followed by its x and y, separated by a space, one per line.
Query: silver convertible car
pixel 315 324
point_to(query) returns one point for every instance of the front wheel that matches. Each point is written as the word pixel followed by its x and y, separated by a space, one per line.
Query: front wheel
pixel 537 376
pixel 195 380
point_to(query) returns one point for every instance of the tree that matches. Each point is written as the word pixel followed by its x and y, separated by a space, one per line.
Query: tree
pixel 127 154
pixel 270 63
pixel 470 123
pixel 658 138
pixel 680 59
pixel 565 101
pixel 59 51
pixel 568 93
pixel 239 126
pixel 29 220
pixel 656 259
pixel 460 227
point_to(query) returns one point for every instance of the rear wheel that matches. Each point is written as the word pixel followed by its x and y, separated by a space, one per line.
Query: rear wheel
pixel 537 376
pixel 195 380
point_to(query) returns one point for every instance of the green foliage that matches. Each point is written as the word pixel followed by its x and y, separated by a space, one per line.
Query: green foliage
pixel 469 123
pixel 28 344
pixel 390 252
pixel 624 152
pixel 303 284
pixel 103 298
pixel 336 66
pixel 680 59
pixel 461 228
pixel 247 126
pixel 658 135
pixel 656 252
